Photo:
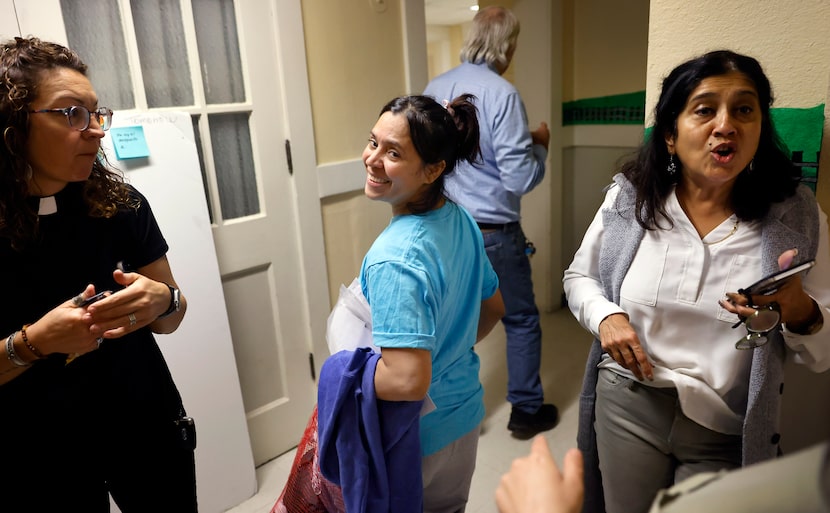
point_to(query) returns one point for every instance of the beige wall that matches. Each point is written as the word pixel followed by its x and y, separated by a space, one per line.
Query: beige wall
pixel 444 47
pixel 606 47
pixel 605 51
pixel 439 50
pixel 350 225
pixel 355 64
pixel 790 39
pixel 792 42
pixel 536 71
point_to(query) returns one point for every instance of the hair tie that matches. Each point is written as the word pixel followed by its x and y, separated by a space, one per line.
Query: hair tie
pixel 446 104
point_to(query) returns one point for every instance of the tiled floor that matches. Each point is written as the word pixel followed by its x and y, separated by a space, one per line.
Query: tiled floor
pixel 563 357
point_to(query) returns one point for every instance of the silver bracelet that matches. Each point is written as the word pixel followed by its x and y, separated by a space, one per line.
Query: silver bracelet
pixel 10 352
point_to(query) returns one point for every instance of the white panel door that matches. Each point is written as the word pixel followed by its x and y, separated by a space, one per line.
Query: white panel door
pixel 172 55
pixel 260 259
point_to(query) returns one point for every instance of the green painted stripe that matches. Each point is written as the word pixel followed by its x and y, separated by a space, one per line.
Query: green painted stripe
pixel 619 109
pixel 800 129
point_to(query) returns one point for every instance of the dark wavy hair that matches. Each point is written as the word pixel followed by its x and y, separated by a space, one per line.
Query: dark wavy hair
pixel 773 177
pixel 24 64
pixel 439 133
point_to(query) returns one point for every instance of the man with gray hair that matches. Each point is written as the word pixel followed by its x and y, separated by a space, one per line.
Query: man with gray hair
pixel 512 164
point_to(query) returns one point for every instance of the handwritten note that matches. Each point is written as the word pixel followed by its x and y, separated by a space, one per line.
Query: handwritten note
pixel 129 142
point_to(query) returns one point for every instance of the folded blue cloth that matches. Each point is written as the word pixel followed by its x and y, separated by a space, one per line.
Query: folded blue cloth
pixel 370 448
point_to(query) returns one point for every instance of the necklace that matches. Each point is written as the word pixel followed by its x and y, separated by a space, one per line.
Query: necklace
pixel 731 233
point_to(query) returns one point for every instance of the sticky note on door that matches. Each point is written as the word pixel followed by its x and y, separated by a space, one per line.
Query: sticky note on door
pixel 129 142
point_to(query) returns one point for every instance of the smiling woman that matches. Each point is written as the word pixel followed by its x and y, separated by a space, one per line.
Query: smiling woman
pixel 433 294
pixel 395 172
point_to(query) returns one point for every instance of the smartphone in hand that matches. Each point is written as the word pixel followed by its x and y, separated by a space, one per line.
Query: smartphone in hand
pixel 88 301
pixel 771 283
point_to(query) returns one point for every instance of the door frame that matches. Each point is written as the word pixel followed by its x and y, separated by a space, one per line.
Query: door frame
pixel 300 132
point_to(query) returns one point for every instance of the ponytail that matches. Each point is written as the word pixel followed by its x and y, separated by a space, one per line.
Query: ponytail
pixel 464 114
pixel 439 133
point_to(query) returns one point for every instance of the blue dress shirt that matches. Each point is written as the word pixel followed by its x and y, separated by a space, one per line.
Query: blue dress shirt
pixel 512 165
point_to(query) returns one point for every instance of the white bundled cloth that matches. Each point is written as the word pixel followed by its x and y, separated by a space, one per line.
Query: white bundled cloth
pixel 350 321
pixel 349 326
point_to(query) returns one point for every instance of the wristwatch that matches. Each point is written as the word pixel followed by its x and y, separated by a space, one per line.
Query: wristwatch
pixel 174 302
pixel 812 326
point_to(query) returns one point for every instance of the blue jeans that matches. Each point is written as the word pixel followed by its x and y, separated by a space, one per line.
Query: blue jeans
pixel 506 251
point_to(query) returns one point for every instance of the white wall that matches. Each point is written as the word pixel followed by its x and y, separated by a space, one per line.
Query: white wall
pixel 8 20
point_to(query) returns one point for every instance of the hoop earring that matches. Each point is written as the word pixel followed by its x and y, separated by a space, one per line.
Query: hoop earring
pixel 8 136
pixel 751 165
pixel 671 169
pixel 28 174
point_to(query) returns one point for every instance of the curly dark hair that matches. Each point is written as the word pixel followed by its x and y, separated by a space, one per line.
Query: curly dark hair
pixel 24 63
pixel 773 178
pixel 449 133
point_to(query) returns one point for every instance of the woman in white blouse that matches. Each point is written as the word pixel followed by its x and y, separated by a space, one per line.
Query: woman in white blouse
pixel 709 205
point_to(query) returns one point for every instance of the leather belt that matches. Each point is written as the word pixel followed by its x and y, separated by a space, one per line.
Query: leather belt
pixel 492 226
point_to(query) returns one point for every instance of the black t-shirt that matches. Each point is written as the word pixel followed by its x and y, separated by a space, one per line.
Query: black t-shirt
pixel 124 383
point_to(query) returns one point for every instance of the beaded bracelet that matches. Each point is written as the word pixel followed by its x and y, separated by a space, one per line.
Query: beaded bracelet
pixel 19 362
pixel 32 348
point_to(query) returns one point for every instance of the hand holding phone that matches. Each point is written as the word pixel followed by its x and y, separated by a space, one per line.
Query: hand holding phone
pixel 771 283
pixel 81 302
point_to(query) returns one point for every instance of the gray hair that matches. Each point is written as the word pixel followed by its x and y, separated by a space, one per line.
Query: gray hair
pixel 494 31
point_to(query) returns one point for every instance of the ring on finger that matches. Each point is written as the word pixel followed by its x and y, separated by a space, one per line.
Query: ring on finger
pixel 132 319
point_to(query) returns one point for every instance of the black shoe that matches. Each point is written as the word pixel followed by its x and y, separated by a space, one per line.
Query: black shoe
pixel 526 425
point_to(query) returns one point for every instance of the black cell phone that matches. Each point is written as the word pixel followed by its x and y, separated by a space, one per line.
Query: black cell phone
pixel 186 433
pixel 101 295
pixel 773 281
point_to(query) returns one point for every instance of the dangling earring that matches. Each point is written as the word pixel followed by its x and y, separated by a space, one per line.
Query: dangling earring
pixel 672 167
pixel 28 175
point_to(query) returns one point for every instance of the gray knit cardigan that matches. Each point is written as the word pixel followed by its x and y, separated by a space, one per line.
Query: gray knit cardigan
pixel 792 223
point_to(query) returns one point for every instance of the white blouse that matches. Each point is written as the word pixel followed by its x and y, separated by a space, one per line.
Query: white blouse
pixel 671 294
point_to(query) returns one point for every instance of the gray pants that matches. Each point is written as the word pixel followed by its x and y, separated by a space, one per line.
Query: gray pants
pixel 646 443
pixel 447 475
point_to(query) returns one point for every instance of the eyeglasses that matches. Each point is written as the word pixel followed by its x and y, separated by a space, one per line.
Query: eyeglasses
pixel 79 116
pixel 759 325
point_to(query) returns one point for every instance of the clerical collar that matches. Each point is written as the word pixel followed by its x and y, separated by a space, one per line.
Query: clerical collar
pixel 47 206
